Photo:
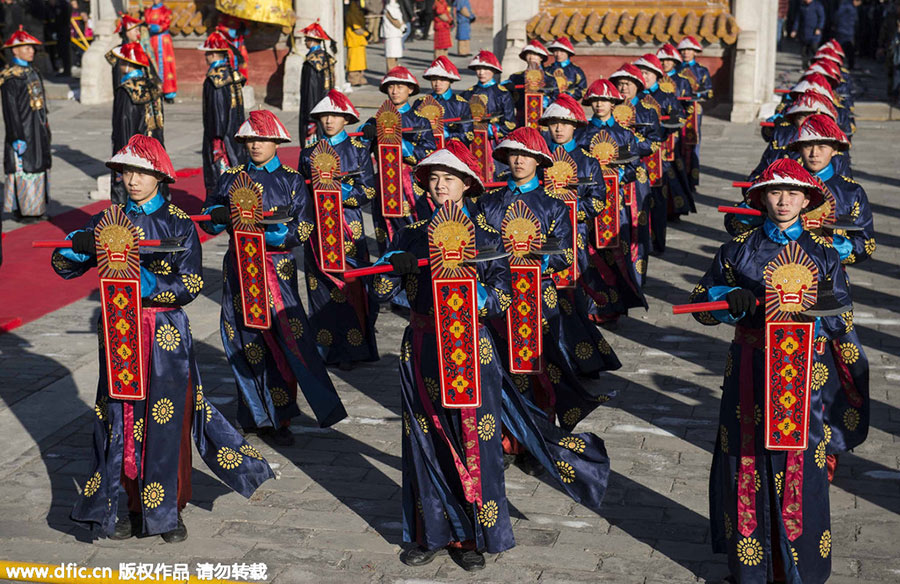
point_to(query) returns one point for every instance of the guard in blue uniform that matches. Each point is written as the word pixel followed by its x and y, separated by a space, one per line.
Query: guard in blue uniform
pixel 142 448
pixel 670 59
pixel 442 74
pixel 701 85
pixel 342 313
pixel 268 364
pixel 535 55
pixel 570 78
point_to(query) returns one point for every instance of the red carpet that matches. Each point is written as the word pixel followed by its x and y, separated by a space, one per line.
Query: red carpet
pixel 29 288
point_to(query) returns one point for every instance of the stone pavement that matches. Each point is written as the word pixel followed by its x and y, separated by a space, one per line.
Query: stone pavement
pixel 333 513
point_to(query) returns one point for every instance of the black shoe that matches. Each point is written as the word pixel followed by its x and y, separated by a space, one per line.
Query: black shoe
pixel 468 560
pixel 283 436
pixel 176 535
pixel 508 459
pixel 419 556
pixel 128 526
pixel 529 464
pixel 169 99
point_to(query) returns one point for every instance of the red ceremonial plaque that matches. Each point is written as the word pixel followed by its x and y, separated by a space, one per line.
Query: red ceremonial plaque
pixel 389 125
pixel 250 249
pixel 325 164
pixel 524 320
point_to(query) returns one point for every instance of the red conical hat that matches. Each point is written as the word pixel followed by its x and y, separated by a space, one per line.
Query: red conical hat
pixel 399 74
pixel 336 102
pixel 458 158
pixel 562 43
pixel 145 153
pixel 812 103
pixel 486 59
pixel 690 42
pixel 442 68
pixel 819 128
pixel 785 172
pixel 216 41
pixel 132 53
pixel 535 47
pixel 315 31
pixel 602 89
pixel 629 71
pixel 263 125
pixel 127 21
pixel 668 51
pixel 526 140
pixel 651 62
pixel 20 38
pixel 565 108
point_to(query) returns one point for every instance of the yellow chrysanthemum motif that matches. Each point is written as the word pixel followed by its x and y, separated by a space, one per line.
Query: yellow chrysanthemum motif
pixel 825 544
pixel 178 212
pixel 749 551
pixel 640 267
pixel 380 234
pixel 140 232
pixel 604 347
pixel 851 419
pixel 729 530
pixel 795 556
pixel 238 304
pixel 521 382
pixel 349 248
pixel 406 428
pixel 870 246
pixel 818 377
pixel 153 495
pixel 820 454
pixel 163 410
pixel 160 267
pixel 849 353
pixel 100 408
pixel 485 351
pixel 584 350
pixel 92 484
pixel 229 458
pixel 405 351
pixel 488 513
pixel 433 388
pixel 355 337
pixel 248 450
pixel 324 338
pixel 296 327
pixel 566 472
pixel 356 229
pixel 229 330
pixel 572 416
pixel 285 268
pixel 60 263
pixel 208 410
pixel 193 282
pixel 168 337
pixel 165 297
pixel 138 429
pixel 826 429
pixel 565 306
pixel 383 286
pixel 554 373
pixel 729 365
pixel 312 282
pixel 757 413
pixel 847 317
pixel 198 397
pixel 304 230
pixel 572 443
pixel 280 397
pixel 254 353
pixel 779 482
pixel 423 423
pixel 550 297
pixel 486 427
pixel 338 295
pixel 723 437
pixel 411 285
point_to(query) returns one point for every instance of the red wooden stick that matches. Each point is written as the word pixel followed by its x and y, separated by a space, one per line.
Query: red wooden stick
pixel 702 307
pixel 379 269
pixel 741 184
pixel 782 91
pixel 740 211
pixel 444 120
pixel 209 217
pixel 68 243
pixel 767 124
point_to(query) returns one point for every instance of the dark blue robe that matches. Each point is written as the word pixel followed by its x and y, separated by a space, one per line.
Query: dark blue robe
pixel 223 114
pixel 574 75
pixel 456 106
pixel 516 83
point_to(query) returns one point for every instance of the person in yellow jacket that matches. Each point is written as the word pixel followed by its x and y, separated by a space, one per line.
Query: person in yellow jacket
pixel 356 39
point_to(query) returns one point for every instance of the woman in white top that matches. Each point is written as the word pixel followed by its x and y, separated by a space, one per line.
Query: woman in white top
pixel 392 29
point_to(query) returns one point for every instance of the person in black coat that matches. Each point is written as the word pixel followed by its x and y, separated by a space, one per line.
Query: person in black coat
pixel 808 27
pixel 223 112
pixel 316 78
pixel 57 14
pixel 26 148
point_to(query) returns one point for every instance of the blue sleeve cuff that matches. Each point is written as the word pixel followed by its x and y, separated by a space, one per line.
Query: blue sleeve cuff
pixel 545 263
pixel 407 149
pixel 154 28
pixel 346 191
pixel 843 246
pixel 276 234
pixel 717 293
pixel 148 282
pixel 216 227
pixel 69 254
pixel 386 258
pixel 482 296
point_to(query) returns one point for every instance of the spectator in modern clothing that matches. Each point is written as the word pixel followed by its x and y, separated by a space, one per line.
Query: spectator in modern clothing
pixel 843 29
pixel 464 19
pixel 783 7
pixel 443 22
pixel 424 18
pixel 393 28
pixel 889 47
pixel 355 39
pixel 808 28
pixel 57 14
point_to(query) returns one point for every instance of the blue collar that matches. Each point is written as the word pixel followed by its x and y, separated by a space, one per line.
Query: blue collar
pixel 568 146
pixel 635 100
pixel 464 209
pixel 565 63
pixel 446 96
pixel 652 89
pixel 691 63
pixel 404 108
pixel 156 5
pixel 218 63
pixel 270 166
pixel 526 188
pixel 609 123
pixel 673 72
pixel 792 233
pixel 488 84
pixel 20 62
pixel 313 49
pixel 826 173
pixel 338 138
pixel 131 75
pixel 150 206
